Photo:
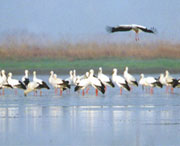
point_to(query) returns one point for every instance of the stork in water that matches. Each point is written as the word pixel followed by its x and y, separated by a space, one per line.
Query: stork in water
pixel 136 28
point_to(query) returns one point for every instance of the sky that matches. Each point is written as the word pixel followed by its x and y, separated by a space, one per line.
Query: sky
pixel 77 19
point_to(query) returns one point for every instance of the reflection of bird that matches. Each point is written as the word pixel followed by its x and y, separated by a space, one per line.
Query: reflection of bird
pixel 136 28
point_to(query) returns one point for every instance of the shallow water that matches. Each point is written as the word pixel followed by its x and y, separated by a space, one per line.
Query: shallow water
pixel 135 118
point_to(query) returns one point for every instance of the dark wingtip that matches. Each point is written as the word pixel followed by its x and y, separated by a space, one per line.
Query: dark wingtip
pixel 22 85
pixel 175 83
pixel 76 88
pixel 111 83
pixel 109 29
pixel 101 88
pixel 154 30
pixel 126 86
pixel 136 83
pixel 45 85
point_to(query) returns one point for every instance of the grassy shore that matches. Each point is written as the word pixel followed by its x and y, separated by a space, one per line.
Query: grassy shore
pixel 63 66
pixel 19 52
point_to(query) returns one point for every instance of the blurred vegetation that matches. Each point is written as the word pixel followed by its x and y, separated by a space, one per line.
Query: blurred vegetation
pixel 29 51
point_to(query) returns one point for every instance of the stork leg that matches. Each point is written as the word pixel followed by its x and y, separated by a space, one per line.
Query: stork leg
pixel 87 90
pixel 120 91
pixel 96 92
pixel 35 93
pixel 172 90
pixel 55 90
pixel 40 93
pixel 83 93
pixel 151 91
pixel 136 37
pixel 60 92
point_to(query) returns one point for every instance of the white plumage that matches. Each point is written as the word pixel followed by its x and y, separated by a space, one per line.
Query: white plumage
pixel 15 83
pixel 32 86
pixel 70 78
pixel 129 78
pixel 58 82
pixel 149 82
pixel 83 83
pixel 39 81
pixel 25 78
pixel 104 78
pixel 120 81
pixel 95 82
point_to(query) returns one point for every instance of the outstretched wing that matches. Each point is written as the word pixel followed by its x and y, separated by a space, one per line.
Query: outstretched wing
pixel 119 28
pixel 152 30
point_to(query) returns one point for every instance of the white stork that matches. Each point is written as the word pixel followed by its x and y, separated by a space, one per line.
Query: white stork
pixel 172 82
pixel 96 83
pixel 129 78
pixel 15 83
pixel 120 81
pixel 41 83
pixel 25 78
pixel 104 78
pixel 83 83
pixel 136 28
pixel 32 86
pixel 149 82
pixel 59 83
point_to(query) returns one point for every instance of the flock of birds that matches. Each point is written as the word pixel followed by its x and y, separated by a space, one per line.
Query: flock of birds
pixel 84 82
pixel 99 82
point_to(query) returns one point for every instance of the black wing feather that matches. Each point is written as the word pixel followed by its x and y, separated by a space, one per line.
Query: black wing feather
pixel 26 81
pixel 118 28
pixel 152 30
pixel 44 85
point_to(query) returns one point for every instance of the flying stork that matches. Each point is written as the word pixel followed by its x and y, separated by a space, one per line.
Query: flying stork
pixel 136 28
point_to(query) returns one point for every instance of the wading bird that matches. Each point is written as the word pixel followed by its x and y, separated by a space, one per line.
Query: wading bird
pixel 25 78
pixel 129 78
pixel 104 78
pixel 96 83
pixel 41 83
pixel 120 81
pixel 149 82
pixel 32 86
pixel 15 83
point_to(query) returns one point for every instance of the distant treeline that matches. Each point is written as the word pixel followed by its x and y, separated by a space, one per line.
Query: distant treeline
pixel 32 47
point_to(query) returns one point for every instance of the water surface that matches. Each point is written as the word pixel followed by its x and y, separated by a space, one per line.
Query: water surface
pixel 135 118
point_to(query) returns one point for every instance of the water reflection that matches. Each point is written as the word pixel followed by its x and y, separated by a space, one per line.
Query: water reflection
pixel 93 125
